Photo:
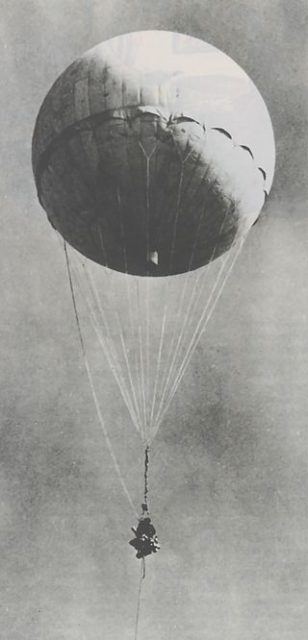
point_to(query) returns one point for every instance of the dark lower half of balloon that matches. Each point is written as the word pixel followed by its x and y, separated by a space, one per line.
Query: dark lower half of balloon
pixel 138 197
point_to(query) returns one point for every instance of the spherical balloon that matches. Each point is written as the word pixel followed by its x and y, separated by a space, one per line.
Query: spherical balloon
pixel 153 153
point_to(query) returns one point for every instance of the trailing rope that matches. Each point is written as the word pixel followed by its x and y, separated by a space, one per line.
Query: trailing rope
pixel 142 577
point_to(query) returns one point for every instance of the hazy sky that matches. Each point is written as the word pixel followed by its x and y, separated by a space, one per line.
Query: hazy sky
pixel 229 465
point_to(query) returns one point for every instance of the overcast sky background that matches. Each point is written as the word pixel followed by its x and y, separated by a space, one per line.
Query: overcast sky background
pixel 229 476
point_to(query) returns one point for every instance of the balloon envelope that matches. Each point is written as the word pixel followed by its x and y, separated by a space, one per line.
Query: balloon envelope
pixel 152 153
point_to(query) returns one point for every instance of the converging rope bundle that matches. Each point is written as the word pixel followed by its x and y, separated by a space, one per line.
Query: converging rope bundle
pixel 147 332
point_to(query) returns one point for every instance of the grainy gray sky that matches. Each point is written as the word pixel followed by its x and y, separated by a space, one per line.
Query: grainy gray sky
pixel 229 465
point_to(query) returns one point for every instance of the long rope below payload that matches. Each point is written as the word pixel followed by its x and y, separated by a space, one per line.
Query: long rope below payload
pixel 142 576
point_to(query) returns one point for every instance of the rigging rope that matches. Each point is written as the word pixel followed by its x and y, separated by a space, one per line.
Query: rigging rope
pixel 134 404
pixel 201 326
pixel 110 353
pixel 92 387
pixel 114 352
pixel 160 350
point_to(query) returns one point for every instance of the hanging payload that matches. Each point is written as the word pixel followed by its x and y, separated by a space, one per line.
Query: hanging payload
pixel 145 541
pixel 153 154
